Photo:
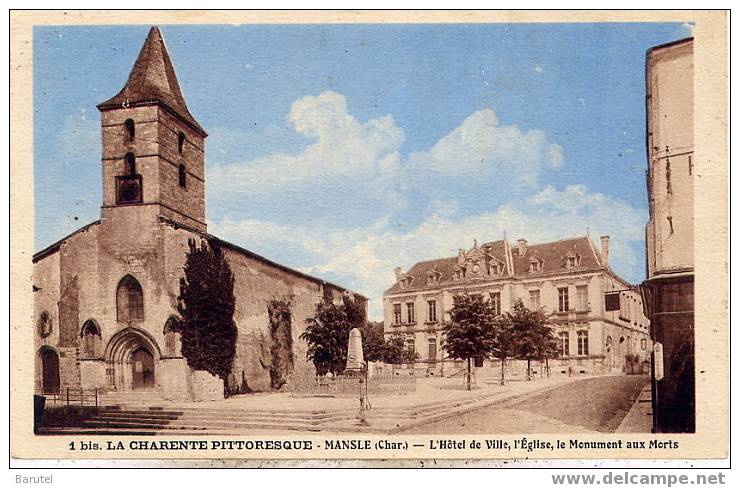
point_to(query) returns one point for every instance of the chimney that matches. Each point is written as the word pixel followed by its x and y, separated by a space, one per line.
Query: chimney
pixel 461 256
pixel 399 274
pixel 605 250
pixel 521 246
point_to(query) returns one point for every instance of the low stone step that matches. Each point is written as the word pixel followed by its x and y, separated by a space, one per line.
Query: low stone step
pixel 235 415
pixel 212 426
pixel 123 413
pixel 137 420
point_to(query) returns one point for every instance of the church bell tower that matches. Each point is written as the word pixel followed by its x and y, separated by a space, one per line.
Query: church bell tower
pixel 153 148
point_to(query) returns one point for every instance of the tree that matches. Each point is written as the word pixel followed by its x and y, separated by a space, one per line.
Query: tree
pixel 531 334
pixel 396 352
pixel 373 342
pixel 471 331
pixel 327 333
pixel 377 348
pixel 504 342
pixel 206 304
pixel 552 350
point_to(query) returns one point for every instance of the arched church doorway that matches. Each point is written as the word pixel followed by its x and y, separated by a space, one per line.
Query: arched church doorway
pixel 49 370
pixel 142 369
pixel 132 355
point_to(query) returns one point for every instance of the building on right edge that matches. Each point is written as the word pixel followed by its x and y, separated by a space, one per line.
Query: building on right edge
pixel 668 291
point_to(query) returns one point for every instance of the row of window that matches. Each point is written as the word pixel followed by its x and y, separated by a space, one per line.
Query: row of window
pixel 563 344
pixel 129 305
pixel 431 348
pixel 130 135
pixel 129 186
pixel 582 343
pixel 411 314
pixel 91 343
pixel 495 297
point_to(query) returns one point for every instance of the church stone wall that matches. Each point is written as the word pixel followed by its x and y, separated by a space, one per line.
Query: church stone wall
pixel 256 283
pixel 45 299
pixel 190 200
pixel 115 146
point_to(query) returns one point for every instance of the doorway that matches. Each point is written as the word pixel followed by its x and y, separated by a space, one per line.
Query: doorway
pixel 49 371
pixel 142 369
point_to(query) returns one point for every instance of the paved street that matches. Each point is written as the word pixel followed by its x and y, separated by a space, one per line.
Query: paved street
pixel 593 405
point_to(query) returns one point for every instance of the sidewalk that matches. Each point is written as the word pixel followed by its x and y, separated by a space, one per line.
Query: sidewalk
pixel 640 416
pixel 434 399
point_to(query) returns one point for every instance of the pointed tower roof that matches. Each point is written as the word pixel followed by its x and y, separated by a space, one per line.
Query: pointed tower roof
pixel 153 81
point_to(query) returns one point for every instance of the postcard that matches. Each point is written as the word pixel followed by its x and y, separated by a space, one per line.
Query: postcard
pixel 467 235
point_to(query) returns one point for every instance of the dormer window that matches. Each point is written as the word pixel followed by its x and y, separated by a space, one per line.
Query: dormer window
pixel 572 260
pixel 496 268
pixel 459 272
pixel 535 266
pixel 433 277
pixel 406 281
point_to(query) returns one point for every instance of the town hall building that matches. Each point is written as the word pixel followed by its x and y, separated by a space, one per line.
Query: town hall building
pixel 105 297
pixel 566 279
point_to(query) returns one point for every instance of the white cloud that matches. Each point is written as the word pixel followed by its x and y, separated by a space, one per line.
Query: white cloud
pixel 363 258
pixel 341 148
pixel 482 147
pixel 496 167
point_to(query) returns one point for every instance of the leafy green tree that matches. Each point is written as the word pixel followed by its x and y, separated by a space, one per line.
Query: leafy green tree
pixel 471 331
pixel 373 342
pixel 551 351
pixel 327 333
pixel 504 343
pixel 206 304
pixel 532 334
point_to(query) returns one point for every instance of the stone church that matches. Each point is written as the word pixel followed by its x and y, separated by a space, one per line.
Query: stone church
pixel 105 297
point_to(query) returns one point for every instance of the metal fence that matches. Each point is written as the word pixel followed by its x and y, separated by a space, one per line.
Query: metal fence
pixel 307 383
pixel 71 396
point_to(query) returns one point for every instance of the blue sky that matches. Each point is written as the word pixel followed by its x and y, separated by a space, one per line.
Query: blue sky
pixel 347 150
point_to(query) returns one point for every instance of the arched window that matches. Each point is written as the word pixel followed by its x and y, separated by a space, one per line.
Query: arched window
pixel 129 300
pixel 172 337
pixel 91 340
pixel 180 142
pixel 130 161
pixel 130 130
pixel 182 176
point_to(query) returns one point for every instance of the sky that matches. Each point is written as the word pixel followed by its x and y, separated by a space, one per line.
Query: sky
pixel 344 151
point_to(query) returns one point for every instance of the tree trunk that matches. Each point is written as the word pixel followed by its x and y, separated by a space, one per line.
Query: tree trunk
pixel 503 361
pixel 547 366
pixel 529 369
pixel 469 384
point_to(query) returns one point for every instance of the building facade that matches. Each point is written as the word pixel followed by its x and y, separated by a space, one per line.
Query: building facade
pixel 567 279
pixel 105 297
pixel 669 289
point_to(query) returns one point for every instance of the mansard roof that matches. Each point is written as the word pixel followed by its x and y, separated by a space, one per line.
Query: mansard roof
pixel 153 81
pixel 551 254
